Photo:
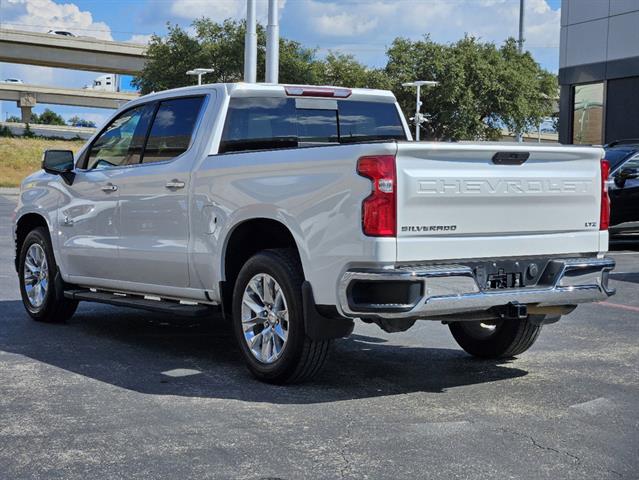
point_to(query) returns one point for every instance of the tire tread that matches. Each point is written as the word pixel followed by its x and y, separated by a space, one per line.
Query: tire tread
pixel 57 308
pixel 513 338
pixel 313 353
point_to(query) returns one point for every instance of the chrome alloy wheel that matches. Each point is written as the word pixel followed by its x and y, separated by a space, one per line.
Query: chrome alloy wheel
pixel 36 275
pixel 264 318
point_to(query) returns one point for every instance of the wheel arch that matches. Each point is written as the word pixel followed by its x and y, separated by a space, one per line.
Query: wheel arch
pixel 24 225
pixel 244 240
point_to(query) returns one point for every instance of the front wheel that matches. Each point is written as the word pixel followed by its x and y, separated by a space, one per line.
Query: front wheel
pixel 268 319
pixel 496 339
pixel 42 296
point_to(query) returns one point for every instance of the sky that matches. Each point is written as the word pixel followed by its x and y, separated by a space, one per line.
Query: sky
pixel 364 28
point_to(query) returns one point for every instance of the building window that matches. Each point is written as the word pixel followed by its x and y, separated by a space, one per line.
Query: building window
pixel 587 114
pixel 622 109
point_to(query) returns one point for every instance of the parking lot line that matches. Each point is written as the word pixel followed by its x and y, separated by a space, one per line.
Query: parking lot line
pixel 629 308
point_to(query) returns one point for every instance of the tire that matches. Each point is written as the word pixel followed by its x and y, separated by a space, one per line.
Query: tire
pixel 40 285
pixel 506 338
pixel 299 358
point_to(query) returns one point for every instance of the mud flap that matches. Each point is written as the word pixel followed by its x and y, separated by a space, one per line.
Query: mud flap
pixel 319 327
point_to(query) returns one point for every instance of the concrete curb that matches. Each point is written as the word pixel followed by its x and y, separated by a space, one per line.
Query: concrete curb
pixel 9 191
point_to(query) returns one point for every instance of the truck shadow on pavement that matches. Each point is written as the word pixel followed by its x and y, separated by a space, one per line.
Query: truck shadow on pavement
pixel 625 277
pixel 154 354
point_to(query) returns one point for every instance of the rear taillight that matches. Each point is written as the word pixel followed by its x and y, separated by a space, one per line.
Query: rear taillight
pixel 379 218
pixel 604 218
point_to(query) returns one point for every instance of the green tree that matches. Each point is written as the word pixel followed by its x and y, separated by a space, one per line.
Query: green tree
pixel 481 88
pixel 48 117
pixel 5 132
pixel 14 119
pixel 168 59
pixel 28 133
pixel 219 46
pixel 345 71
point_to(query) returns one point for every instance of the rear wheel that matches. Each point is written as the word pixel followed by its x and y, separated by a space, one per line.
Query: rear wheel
pixel 42 295
pixel 495 339
pixel 268 319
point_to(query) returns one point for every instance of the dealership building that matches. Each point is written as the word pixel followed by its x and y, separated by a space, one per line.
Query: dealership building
pixel 599 71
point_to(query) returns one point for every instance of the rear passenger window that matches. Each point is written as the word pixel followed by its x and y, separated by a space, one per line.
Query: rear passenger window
pixel 172 129
pixel 259 124
pixel 263 123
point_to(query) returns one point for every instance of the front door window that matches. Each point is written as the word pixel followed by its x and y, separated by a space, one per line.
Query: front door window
pixel 123 140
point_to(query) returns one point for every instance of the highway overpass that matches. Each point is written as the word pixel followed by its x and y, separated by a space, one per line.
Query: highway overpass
pixel 76 53
pixel 27 96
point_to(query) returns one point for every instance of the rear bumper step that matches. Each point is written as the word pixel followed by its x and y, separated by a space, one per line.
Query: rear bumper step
pixel 138 301
pixel 451 289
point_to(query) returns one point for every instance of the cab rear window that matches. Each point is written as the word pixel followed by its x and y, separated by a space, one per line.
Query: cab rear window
pixel 263 123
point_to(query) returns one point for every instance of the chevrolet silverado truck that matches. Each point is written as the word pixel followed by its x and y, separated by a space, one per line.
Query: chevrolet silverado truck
pixel 294 210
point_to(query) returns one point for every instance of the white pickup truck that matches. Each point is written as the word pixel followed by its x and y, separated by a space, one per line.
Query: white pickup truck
pixel 295 210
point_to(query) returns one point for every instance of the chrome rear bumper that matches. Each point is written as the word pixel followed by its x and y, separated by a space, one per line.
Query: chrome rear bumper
pixel 451 289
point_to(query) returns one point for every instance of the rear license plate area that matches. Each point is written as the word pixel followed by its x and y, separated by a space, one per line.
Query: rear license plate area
pixel 502 279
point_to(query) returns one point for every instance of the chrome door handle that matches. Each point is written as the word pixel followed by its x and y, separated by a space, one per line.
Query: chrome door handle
pixel 174 185
pixel 109 187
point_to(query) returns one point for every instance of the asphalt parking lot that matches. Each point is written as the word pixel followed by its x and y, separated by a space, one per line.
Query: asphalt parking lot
pixel 117 393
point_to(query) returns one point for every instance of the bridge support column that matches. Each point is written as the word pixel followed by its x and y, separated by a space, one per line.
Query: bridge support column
pixel 26 103
pixel 26 114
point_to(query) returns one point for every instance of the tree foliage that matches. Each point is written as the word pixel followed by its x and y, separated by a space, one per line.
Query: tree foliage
pixel 483 88
pixel 28 133
pixel 48 117
pixel 219 46
pixel 345 71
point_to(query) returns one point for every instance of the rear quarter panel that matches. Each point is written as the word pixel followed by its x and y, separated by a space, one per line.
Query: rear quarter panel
pixel 315 192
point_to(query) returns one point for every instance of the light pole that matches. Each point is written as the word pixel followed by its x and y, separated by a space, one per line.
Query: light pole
pixel 199 72
pixel 250 44
pixel 522 4
pixel 419 118
pixel 272 43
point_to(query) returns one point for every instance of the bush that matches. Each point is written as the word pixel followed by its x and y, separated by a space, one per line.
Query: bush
pixel 28 133
pixel 6 132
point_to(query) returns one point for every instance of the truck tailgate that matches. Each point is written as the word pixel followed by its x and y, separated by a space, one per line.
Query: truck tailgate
pixel 457 200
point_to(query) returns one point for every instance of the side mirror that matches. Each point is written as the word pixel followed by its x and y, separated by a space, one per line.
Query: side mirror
pixel 625 174
pixel 629 173
pixel 59 162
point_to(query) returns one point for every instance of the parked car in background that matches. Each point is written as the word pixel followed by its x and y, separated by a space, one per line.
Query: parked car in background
pixel 12 80
pixel 64 33
pixel 623 186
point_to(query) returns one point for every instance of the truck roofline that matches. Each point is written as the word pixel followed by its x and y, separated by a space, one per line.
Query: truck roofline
pixel 240 89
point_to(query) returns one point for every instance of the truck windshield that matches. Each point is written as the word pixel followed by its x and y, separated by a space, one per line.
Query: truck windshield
pixel 262 123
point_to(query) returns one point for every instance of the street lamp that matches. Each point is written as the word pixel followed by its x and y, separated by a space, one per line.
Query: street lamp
pixel 199 72
pixel 419 118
